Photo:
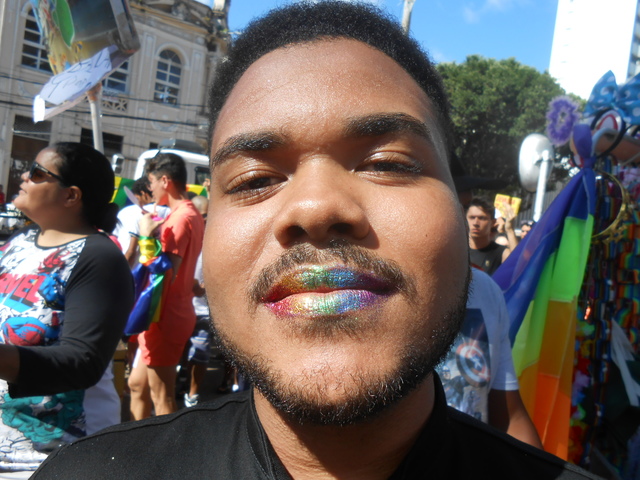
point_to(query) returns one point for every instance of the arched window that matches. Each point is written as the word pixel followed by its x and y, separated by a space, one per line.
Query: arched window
pixel 34 51
pixel 118 80
pixel 168 74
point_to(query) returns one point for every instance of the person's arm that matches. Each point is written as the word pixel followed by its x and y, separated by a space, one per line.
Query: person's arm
pixel 9 362
pixel 508 414
pixel 505 408
pixel 131 252
pixel 176 261
pixel 148 227
pixel 509 230
pixel 98 301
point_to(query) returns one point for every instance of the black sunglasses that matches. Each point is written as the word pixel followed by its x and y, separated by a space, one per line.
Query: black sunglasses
pixel 37 174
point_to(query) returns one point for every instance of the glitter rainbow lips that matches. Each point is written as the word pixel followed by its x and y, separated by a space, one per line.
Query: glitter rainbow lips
pixel 320 291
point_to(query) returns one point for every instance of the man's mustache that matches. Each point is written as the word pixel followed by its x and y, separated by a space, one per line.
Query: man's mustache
pixel 340 251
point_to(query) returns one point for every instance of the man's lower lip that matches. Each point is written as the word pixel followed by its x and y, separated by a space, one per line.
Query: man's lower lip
pixel 334 303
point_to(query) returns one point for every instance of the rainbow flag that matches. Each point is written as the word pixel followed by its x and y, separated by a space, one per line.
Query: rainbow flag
pixel 149 280
pixel 541 281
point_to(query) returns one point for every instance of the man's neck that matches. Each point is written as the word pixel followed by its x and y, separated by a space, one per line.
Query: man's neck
pixel 479 243
pixel 371 450
pixel 174 198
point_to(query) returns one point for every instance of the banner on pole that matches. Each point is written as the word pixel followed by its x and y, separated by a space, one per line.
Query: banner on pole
pixel 86 41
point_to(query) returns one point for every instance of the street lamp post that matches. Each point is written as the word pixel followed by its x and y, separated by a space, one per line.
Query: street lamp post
pixel 406 15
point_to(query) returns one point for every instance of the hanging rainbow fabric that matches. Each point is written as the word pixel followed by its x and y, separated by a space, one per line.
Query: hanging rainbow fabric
pixel 149 284
pixel 541 281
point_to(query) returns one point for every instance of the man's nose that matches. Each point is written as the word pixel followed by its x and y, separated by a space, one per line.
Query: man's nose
pixel 322 202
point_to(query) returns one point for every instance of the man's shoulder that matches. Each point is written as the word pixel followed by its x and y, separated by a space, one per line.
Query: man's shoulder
pixel 502 454
pixel 491 247
pixel 227 409
pixel 185 213
pixel 204 435
pixel 128 212
pixel 482 284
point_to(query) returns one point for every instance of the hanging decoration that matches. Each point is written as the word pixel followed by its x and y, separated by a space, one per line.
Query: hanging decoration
pixel 572 288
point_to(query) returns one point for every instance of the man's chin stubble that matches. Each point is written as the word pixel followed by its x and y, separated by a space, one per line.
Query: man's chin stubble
pixel 361 395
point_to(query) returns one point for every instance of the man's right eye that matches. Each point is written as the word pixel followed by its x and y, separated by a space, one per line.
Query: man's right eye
pixel 252 183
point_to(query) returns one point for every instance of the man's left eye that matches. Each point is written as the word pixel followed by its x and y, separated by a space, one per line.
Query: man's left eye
pixel 393 167
pixel 391 163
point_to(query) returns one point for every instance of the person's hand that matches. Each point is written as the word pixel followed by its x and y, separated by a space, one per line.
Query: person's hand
pixel 148 224
pixel 509 216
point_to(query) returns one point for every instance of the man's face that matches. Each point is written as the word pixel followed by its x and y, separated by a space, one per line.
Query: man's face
pixel 145 198
pixel 480 223
pixel 157 187
pixel 335 253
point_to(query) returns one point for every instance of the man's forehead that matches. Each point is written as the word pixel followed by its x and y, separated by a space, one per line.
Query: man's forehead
pixel 305 79
pixel 321 64
pixel 477 211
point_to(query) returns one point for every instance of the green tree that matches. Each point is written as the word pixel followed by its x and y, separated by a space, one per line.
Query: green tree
pixel 495 105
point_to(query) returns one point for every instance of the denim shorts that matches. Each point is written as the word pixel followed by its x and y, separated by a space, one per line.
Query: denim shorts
pixel 200 349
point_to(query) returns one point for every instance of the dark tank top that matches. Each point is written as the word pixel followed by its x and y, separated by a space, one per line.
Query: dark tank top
pixel 488 258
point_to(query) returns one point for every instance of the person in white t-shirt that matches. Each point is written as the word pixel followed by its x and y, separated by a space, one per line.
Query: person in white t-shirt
pixel 478 373
pixel 199 351
pixel 127 228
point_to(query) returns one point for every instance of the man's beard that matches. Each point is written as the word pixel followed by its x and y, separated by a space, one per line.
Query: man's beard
pixel 301 398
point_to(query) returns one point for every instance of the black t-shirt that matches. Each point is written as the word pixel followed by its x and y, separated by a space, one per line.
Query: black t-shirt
pixel 224 440
pixel 488 258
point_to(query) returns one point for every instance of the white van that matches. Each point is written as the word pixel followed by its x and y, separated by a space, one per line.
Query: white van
pixel 197 164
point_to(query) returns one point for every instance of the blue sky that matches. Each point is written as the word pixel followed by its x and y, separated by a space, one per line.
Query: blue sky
pixel 452 29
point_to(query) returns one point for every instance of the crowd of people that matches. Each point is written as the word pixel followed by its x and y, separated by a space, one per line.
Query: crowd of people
pixel 334 274
pixel 68 287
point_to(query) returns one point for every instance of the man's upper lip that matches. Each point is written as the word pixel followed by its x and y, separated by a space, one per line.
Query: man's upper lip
pixel 323 279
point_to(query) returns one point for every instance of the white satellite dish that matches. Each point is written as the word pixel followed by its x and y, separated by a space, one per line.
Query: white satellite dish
pixel 534 151
pixel 534 166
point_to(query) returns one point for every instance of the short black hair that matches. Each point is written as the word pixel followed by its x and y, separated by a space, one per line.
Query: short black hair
pixel 141 186
pixel 171 165
pixel 483 204
pixel 310 21
pixel 82 166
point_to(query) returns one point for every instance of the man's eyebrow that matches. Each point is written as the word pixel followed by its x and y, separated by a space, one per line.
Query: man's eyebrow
pixel 380 124
pixel 246 142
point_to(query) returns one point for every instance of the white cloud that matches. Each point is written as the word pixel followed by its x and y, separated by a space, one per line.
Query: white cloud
pixel 438 56
pixel 497 4
pixel 472 13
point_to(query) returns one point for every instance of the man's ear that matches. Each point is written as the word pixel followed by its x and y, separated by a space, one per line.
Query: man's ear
pixel 74 196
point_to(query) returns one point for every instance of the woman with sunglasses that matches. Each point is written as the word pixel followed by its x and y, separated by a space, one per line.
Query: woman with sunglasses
pixel 65 294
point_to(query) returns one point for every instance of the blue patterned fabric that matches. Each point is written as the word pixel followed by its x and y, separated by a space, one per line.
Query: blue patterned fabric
pixel 624 99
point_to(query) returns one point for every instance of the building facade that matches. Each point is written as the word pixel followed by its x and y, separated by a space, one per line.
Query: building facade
pixel 592 37
pixel 159 93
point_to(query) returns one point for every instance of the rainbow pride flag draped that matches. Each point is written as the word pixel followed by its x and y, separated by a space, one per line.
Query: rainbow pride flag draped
pixel 541 281
pixel 149 283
